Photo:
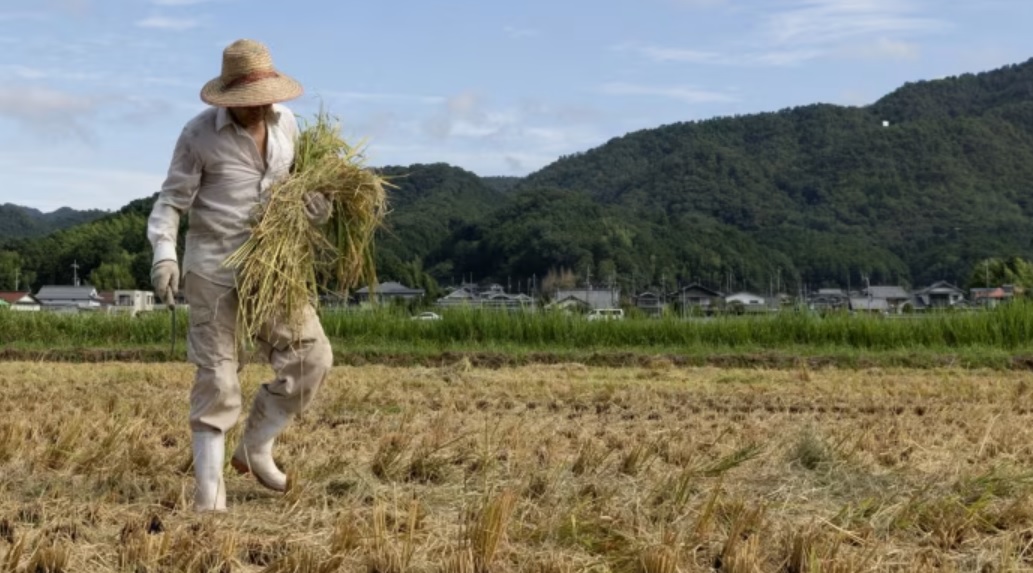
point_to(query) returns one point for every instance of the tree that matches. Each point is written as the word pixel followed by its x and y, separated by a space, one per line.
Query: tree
pixel 994 272
pixel 557 279
pixel 11 271
pixel 112 276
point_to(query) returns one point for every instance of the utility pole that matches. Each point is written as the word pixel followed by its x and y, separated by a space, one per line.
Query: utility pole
pixel 588 286
pixel 75 273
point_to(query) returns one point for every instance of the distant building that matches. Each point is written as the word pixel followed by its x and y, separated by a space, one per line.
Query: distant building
pixel 60 298
pixel 699 296
pixel 594 298
pixel 493 297
pixel 387 292
pixel 131 301
pixel 896 297
pixel 461 296
pixel 941 294
pixel 568 305
pixel 651 303
pixel 749 301
pixel 990 297
pixel 869 304
pixel 828 299
pixel 19 301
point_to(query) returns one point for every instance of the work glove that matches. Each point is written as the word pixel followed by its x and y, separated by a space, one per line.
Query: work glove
pixel 317 208
pixel 165 280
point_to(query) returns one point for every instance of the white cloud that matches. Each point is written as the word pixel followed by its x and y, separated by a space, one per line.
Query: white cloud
pixel 179 2
pixel 78 7
pixel 14 16
pixel 36 73
pixel 698 3
pixel 516 32
pixel 470 130
pixel 806 30
pixel 832 21
pixel 33 103
pixel 166 23
pixel 53 115
pixel 684 94
pixel 664 54
pixel 375 97
pixel 885 48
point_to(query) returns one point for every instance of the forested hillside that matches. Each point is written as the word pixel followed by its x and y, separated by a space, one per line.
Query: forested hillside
pixel 824 191
pixel 429 204
pixel 918 187
pixel 17 221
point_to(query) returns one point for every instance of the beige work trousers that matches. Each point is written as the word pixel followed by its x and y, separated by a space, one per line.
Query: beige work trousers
pixel 300 366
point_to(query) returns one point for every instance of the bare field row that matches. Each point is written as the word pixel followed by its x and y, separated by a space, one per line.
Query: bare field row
pixel 547 468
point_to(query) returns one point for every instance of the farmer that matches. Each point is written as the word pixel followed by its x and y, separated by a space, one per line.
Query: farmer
pixel 224 162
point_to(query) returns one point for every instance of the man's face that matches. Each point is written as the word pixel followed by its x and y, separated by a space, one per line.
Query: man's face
pixel 250 116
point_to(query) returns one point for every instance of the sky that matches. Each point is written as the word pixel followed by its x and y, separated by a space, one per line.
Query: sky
pixel 93 93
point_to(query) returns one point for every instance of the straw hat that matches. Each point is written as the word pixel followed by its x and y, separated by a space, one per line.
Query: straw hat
pixel 249 78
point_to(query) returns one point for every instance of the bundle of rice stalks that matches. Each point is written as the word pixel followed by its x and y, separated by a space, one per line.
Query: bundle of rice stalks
pixel 287 260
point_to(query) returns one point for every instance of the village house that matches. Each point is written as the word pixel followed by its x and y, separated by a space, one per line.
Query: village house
pixel 697 296
pixel 458 297
pixel 896 297
pixel 19 301
pixel 131 301
pixel 747 301
pixel 568 305
pixel 991 297
pixel 594 298
pixel 869 304
pixel 828 299
pixel 493 297
pixel 387 292
pixel 940 294
pixel 63 298
pixel 651 303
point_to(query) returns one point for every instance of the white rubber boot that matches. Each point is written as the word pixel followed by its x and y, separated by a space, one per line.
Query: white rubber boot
pixel 209 455
pixel 254 453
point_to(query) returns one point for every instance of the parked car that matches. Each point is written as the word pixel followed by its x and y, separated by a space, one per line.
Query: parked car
pixel 606 314
pixel 427 316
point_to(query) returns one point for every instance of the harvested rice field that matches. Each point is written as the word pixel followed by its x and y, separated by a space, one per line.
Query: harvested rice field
pixel 557 468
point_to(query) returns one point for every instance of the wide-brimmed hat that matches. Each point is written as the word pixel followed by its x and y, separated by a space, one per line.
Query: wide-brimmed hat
pixel 249 78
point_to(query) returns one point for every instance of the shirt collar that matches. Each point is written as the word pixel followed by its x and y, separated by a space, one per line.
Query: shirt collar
pixel 223 118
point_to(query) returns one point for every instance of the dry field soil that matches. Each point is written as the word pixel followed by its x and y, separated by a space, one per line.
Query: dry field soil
pixel 557 468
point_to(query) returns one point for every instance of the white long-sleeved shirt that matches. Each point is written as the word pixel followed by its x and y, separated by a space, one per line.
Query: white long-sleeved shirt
pixel 218 176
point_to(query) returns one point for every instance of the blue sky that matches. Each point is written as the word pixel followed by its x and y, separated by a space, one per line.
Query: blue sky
pixel 94 92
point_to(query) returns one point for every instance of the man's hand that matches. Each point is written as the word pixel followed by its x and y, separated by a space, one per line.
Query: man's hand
pixel 165 280
pixel 317 208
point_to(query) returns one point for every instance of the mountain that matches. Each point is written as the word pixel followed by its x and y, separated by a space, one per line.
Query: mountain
pixel 431 204
pixel 919 186
pixel 428 204
pixel 501 183
pixel 821 194
pixel 18 221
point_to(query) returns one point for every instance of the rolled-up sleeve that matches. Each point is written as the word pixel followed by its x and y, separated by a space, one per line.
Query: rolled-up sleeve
pixel 175 198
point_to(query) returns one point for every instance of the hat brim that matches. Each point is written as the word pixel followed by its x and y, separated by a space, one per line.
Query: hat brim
pixel 262 92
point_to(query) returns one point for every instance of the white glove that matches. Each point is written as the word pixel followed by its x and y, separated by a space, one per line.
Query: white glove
pixel 165 280
pixel 317 208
